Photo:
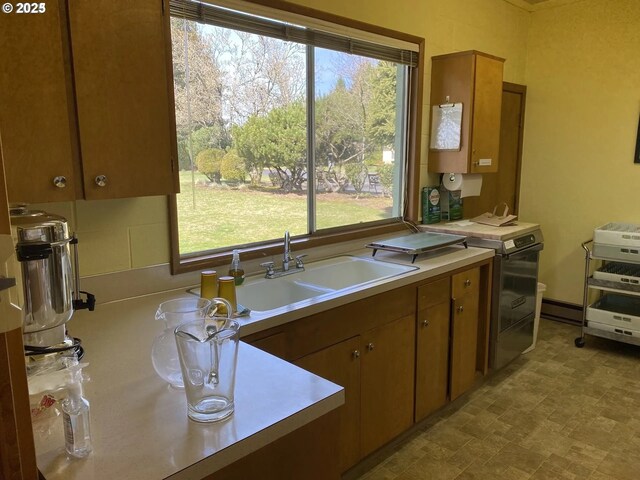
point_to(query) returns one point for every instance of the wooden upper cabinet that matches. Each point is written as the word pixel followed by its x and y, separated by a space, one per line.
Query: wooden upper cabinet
pixel 124 93
pixel 475 80
pixel 36 106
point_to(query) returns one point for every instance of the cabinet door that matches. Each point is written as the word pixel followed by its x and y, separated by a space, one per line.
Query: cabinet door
pixel 432 358
pixel 36 105
pixel 464 331
pixel 487 105
pixel 124 94
pixel 340 364
pixel 432 346
pixel 387 383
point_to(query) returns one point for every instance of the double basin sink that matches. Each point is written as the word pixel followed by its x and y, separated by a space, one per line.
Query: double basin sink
pixel 324 277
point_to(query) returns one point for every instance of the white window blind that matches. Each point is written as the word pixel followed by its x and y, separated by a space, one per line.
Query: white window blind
pixel 303 31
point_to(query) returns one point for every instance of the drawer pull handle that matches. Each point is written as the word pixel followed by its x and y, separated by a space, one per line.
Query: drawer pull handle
pixel 101 180
pixel 60 181
pixel 370 346
pixel 460 309
pixel 356 354
pixel 425 323
pixel 467 283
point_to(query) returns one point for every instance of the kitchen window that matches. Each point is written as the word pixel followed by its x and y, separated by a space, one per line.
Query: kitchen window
pixel 282 125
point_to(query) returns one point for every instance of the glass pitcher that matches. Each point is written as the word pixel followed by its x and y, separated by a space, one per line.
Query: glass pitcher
pixel 164 354
pixel 208 352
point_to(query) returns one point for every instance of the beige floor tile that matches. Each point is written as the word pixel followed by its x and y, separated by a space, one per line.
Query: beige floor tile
pixel 430 469
pixel 621 467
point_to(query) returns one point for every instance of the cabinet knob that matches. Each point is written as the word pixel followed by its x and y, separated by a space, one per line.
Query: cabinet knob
pixel 370 346
pixel 467 283
pixel 355 354
pixel 425 323
pixel 101 180
pixel 460 309
pixel 60 181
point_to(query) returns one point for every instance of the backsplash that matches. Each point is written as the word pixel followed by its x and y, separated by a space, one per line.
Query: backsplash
pixel 116 235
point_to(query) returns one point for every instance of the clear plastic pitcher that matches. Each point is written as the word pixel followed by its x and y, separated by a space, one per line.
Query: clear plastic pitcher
pixel 164 354
pixel 208 351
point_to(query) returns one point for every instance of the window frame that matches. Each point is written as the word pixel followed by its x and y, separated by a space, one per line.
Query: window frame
pixel 201 260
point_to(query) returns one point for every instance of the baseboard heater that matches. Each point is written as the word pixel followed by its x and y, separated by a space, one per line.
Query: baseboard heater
pixel 561 311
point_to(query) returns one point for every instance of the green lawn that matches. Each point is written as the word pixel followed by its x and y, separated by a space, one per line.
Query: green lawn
pixel 225 216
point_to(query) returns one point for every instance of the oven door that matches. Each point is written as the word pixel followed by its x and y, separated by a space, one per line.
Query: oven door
pixel 515 286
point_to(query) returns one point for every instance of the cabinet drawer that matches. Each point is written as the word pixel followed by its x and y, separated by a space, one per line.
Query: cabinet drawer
pixel 465 283
pixel 433 293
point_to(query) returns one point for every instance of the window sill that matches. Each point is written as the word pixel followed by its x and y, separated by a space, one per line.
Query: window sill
pixel 207 260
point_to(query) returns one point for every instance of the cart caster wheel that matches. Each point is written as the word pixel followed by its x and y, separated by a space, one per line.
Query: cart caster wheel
pixel 579 342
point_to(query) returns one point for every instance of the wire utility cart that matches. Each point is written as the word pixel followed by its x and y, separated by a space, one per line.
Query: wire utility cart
pixel 616 313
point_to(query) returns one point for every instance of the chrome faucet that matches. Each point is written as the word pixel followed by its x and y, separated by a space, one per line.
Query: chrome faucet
pixel 286 258
pixel 286 269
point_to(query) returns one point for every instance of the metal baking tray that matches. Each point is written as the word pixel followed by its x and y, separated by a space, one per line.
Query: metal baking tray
pixel 417 243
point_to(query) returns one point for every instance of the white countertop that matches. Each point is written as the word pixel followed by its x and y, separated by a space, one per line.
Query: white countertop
pixel 139 424
pixel 140 428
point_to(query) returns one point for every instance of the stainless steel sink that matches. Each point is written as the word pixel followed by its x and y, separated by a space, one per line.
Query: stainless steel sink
pixel 324 277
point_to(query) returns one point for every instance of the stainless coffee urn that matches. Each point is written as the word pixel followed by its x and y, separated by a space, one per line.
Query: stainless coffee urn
pixel 49 284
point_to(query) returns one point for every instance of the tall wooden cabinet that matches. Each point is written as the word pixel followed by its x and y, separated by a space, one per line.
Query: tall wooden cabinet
pixel 475 80
pixel 86 107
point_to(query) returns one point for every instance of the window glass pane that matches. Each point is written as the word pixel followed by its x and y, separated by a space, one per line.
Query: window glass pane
pixel 359 138
pixel 241 127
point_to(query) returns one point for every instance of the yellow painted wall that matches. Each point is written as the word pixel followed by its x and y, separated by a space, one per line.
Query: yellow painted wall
pixel 583 102
pixel 492 26
pixel 122 234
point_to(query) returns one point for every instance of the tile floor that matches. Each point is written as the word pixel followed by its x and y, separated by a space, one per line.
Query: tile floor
pixel 558 412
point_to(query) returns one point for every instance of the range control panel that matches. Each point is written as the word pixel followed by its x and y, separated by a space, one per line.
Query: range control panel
pixel 524 241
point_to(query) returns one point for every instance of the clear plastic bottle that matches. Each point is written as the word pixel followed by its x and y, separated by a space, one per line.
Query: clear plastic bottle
pixel 75 417
pixel 236 271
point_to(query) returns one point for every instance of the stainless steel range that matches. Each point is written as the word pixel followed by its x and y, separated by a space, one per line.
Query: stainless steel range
pixel 515 282
pixel 513 302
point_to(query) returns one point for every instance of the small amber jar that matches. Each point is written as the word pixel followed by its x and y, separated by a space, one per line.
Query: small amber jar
pixel 209 284
pixel 227 290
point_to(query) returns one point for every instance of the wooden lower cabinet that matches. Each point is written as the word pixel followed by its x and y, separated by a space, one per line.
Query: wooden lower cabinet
pixel 432 348
pixel 340 364
pixel 308 452
pixel 387 382
pixel 464 331
pixel 400 355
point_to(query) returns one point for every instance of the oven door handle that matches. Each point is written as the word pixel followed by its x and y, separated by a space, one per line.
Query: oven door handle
pixel 533 248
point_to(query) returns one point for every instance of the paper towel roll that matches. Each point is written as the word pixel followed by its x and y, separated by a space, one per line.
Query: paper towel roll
pixel 469 184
